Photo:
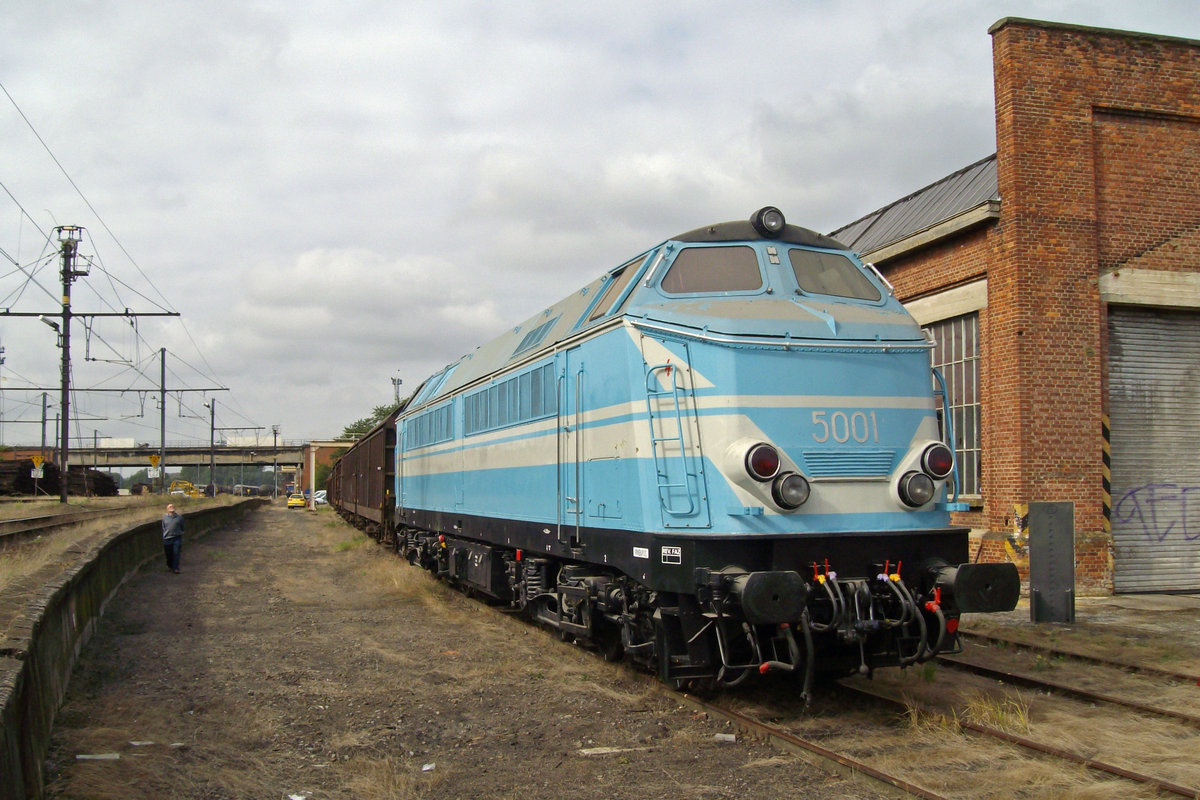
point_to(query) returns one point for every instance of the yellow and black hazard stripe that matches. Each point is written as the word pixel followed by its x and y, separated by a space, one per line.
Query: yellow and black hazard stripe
pixel 1107 458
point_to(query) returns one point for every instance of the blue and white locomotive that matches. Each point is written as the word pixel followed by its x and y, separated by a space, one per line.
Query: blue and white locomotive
pixel 720 458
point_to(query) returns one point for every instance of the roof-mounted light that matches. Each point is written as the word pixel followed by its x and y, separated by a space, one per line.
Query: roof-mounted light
pixel 768 221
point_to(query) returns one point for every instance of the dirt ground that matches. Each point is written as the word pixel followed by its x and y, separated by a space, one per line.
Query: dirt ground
pixel 293 658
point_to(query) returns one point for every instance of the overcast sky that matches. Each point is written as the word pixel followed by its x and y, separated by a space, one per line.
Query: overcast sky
pixel 336 194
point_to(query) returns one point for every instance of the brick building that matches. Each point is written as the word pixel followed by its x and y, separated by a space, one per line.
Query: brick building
pixel 1061 279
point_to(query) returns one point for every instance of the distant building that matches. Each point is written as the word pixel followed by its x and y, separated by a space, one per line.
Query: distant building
pixel 321 454
pixel 1061 279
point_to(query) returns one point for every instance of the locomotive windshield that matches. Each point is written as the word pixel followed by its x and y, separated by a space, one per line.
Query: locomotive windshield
pixel 616 285
pixel 713 269
pixel 832 274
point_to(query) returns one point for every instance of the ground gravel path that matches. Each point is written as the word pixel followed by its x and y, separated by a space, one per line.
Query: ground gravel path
pixel 294 658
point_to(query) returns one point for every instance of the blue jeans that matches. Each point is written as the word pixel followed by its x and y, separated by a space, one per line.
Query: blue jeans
pixel 172 548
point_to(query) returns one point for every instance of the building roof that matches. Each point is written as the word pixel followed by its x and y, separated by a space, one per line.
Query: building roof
pixel 970 187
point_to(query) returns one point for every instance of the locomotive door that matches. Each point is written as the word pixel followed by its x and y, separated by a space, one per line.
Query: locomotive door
pixel 570 447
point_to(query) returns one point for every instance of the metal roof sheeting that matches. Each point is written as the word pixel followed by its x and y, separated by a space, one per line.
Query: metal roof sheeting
pixel 962 190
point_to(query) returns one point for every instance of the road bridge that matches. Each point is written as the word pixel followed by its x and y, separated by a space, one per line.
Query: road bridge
pixel 104 458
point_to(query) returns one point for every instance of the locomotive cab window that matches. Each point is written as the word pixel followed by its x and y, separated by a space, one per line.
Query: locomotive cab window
pixel 617 282
pixel 832 274
pixel 708 270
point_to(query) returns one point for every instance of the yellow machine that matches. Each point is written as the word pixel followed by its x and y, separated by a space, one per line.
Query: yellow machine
pixel 186 488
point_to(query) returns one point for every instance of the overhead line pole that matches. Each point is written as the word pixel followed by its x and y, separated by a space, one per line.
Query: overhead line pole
pixel 69 237
pixel 45 400
pixel 162 431
pixel 212 445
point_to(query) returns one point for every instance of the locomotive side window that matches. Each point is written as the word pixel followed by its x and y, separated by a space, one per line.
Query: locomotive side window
pixel 713 269
pixel 832 274
pixel 616 286
pixel 431 427
pixel 517 399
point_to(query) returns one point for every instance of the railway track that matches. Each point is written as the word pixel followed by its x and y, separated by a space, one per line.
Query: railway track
pixel 915 734
pixel 1053 742
pixel 1104 714
pixel 12 530
pixel 1060 652
pixel 794 743
pixel 1034 746
pixel 988 760
pixel 1066 689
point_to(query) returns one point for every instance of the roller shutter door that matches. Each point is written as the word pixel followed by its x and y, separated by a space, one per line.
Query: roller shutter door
pixel 1154 405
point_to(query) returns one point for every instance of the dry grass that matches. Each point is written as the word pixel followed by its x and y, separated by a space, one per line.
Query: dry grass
pixel 1156 746
pixel 582 670
pixel 21 509
pixel 24 559
pixel 1006 712
pixel 1101 637
pixel 386 779
pixel 927 722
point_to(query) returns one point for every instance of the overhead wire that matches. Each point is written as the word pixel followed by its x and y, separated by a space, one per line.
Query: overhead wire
pixel 83 197
pixel 111 278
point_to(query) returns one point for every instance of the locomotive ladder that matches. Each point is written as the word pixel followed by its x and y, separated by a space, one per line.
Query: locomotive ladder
pixel 668 491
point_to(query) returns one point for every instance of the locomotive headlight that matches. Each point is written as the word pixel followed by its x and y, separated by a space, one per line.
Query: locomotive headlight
pixel 937 461
pixel 790 491
pixel 768 222
pixel 762 462
pixel 916 489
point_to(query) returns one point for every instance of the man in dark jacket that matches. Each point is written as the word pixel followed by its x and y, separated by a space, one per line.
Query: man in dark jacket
pixel 172 525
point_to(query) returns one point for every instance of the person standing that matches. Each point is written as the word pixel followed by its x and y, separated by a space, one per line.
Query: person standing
pixel 172 530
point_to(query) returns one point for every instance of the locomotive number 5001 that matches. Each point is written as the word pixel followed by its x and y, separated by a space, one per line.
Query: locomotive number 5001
pixel 861 426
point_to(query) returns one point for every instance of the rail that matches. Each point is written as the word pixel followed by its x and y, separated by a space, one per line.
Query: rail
pixel 12 529
pixel 797 744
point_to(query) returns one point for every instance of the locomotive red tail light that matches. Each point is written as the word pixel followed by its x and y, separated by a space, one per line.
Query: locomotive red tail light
pixel 790 491
pixel 762 462
pixel 916 489
pixel 937 460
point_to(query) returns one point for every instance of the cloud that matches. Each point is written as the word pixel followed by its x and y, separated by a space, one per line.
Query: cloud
pixel 333 195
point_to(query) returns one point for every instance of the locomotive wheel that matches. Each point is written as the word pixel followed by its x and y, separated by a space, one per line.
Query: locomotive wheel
pixel 701 686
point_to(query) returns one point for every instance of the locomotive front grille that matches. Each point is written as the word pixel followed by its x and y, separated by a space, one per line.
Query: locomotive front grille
pixel 849 463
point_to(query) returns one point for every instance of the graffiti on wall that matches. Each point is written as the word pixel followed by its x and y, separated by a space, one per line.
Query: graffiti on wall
pixel 1161 509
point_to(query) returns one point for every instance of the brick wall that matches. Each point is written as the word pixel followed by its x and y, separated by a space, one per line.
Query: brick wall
pixel 1088 136
pixel 1098 149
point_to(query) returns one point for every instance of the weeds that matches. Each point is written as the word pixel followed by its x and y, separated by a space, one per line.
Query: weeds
pixel 923 720
pixel 1004 712
pixel 1042 663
